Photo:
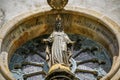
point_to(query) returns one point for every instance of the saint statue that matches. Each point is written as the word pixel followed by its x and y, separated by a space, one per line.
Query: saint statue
pixel 58 53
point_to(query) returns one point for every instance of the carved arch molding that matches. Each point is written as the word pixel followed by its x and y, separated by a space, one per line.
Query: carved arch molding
pixel 78 21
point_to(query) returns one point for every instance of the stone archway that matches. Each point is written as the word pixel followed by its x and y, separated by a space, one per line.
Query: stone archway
pixel 35 23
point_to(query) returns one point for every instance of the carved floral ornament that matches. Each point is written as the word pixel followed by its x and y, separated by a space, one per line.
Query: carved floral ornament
pixel 57 4
pixel 115 58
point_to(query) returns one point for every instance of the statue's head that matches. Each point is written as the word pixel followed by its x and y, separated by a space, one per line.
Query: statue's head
pixel 58 24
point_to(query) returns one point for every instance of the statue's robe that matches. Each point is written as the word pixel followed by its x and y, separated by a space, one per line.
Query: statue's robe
pixel 59 53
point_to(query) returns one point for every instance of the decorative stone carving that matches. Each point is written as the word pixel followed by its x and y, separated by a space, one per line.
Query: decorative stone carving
pixel 57 4
pixel 60 58
pixel 101 25
pixel 59 53
pixel 70 22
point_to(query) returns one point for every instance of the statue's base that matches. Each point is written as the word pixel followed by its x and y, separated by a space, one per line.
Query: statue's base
pixel 60 72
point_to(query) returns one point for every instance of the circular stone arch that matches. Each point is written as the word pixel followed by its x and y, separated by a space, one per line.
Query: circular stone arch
pixel 105 31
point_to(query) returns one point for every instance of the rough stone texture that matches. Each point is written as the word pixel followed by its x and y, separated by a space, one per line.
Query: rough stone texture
pixel 1 77
pixel 2 15
pixel 14 8
pixel 110 8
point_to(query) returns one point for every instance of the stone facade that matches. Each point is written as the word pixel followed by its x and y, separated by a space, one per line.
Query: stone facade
pixel 14 8
pixel 32 10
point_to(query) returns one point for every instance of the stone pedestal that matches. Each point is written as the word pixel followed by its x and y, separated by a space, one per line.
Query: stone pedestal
pixel 60 72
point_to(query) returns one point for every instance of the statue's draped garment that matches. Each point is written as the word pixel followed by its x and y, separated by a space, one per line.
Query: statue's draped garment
pixel 59 53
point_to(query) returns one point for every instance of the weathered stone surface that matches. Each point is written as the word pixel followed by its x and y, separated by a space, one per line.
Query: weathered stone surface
pixel 109 8
pixel 117 76
pixel 1 77
pixel 2 15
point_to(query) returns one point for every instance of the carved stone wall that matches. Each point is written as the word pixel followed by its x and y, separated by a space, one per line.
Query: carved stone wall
pixel 14 8
pixel 73 23
pixel 77 20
